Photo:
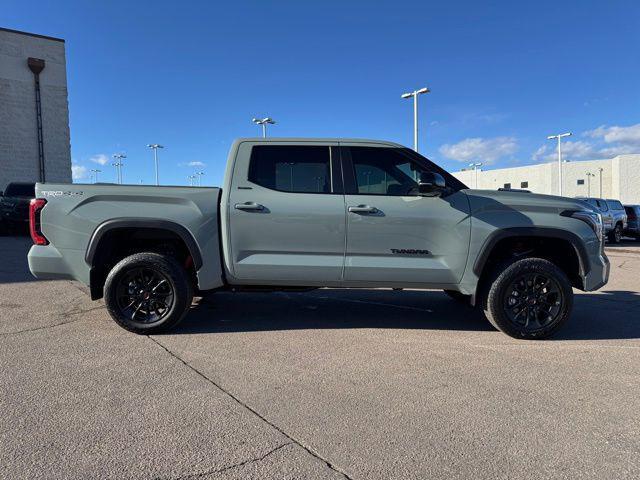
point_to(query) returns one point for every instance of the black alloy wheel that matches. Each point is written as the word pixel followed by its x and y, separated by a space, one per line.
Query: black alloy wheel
pixel 145 295
pixel 533 301
pixel 148 293
pixel 528 298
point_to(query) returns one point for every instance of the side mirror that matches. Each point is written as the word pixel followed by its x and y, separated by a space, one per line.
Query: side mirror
pixel 431 184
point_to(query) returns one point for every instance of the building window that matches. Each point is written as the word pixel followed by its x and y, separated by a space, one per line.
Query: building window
pixel 507 186
pixel 524 184
pixel 580 182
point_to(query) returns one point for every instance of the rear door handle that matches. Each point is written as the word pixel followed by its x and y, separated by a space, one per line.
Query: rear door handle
pixel 363 209
pixel 252 206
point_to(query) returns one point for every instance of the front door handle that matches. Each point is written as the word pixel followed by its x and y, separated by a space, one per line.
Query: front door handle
pixel 363 209
pixel 251 206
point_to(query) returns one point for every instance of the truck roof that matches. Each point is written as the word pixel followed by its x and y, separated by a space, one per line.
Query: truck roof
pixel 316 139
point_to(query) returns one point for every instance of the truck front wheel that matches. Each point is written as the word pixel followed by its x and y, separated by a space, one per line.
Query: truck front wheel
pixel 148 293
pixel 529 298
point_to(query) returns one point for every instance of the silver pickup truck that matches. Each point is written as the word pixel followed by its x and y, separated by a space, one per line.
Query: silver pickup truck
pixel 307 213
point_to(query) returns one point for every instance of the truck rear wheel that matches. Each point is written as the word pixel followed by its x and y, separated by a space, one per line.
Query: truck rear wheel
pixel 529 298
pixel 615 235
pixel 148 293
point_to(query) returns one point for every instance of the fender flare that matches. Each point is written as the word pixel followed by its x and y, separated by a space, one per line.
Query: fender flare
pixel 542 232
pixel 158 224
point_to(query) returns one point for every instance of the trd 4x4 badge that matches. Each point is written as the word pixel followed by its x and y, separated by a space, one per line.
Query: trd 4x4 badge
pixel 409 251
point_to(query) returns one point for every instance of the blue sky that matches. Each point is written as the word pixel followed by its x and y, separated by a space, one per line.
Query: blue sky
pixel 191 75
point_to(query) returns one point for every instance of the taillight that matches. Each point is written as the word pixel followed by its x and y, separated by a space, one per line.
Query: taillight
pixel 35 207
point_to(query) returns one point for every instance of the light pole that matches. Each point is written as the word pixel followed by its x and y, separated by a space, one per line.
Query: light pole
pixel 600 180
pixel 199 174
pixel 559 137
pixel 118 164
pixel 415 94
pixel 589 175
pixel 155 147
pixel 95 172
pixel 475 169
pixel 191 178
pixel 264 122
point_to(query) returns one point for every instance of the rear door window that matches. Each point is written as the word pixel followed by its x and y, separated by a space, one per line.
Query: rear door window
pixel 291 168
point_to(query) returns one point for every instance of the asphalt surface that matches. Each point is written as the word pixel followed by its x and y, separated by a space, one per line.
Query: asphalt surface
pixel 325 384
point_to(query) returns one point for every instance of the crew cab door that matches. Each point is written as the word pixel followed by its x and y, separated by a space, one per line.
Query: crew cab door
pixel 286 214
pixel 394 235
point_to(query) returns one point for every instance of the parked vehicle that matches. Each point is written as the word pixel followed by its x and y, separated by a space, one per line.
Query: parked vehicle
pixel 14 206
pixel 305 213
pixel 633 222
pixel 614 216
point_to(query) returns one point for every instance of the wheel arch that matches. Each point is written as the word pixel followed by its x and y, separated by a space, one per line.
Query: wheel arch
pixel 104 231
pixel 512 235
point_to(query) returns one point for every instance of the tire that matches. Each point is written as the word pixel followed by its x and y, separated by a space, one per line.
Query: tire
pixel 615 235
pixel 458 296
pixel 148 293
pixel 529 299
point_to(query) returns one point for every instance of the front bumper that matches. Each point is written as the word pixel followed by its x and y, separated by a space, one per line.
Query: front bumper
pixel 597 274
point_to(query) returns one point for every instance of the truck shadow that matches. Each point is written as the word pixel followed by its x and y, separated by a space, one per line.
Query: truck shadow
pixel 605 316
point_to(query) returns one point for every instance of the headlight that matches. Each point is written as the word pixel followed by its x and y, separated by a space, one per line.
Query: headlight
pixel 593 219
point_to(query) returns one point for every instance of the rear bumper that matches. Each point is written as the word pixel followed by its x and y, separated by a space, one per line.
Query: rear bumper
pixel 46 262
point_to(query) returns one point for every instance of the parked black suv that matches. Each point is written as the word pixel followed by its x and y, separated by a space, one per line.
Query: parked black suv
pixel 14 206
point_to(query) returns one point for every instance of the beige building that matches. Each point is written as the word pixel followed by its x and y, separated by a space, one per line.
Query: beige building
pixel 34 114
pixel 618 178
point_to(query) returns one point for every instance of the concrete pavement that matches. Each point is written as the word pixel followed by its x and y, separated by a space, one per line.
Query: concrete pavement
pixel 324 384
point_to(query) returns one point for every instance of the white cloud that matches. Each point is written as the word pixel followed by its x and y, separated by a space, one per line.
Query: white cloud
pixel 194 164
pixel 486 150
pixel 618 150
pixel 78 172
pixel 100 159
pixel 576 150
pixel 606 142
pixel 614 134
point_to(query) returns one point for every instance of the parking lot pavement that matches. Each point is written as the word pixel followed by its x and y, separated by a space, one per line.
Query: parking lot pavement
pixel 324 384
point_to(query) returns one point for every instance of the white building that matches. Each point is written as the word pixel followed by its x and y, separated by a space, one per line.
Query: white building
pixel 34 135
pixel 618 178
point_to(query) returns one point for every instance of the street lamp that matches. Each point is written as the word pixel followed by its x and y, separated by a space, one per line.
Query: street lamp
pixel 600 168
pixel 415 94
pixel 475 169
pixel 191 178
pixel 95 172
pixel 155 147
pixel 589 175
pixel 264 122
pixel 199 174
pixel 118 164
pixel 559 137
